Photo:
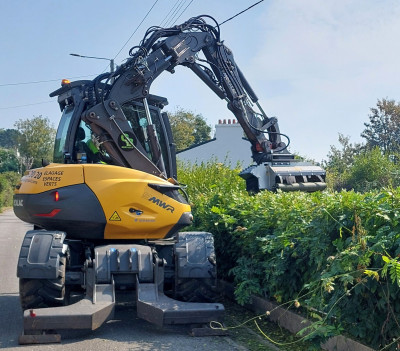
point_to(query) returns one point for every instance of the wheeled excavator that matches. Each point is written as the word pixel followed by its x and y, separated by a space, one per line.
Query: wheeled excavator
pixel 107 213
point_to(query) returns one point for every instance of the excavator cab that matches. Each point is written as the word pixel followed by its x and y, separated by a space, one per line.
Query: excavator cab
pixel 76 142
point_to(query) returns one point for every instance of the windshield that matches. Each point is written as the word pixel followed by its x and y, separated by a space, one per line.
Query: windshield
pixel 59 146
pixel 136 116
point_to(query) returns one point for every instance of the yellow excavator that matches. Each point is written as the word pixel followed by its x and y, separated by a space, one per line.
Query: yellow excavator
pixel 107 213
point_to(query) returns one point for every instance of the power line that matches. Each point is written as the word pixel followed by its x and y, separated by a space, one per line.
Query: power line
pixel 36 103
pixel 170 19
pixel 220 24
pixel 173 16
pixel 177 8
pixel 183 11
pixel 172 8
pixel 136 29
pixel 43 81
pixel 54 80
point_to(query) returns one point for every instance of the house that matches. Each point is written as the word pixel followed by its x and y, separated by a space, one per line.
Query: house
pixel 227 146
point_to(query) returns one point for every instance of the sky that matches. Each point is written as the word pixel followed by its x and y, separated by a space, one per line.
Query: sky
pixel 318 66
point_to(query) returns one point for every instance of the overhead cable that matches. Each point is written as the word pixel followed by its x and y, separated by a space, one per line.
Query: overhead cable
pixel 44 81
pixel 240 12
pixel 164 20
pixel 182 12
pixel 148 12
pixel 36 103
pixel 171 18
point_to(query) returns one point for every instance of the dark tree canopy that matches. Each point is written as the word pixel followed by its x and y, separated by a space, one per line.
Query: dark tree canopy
pixel 383 129
pixel 8 161
pixel 188 128
pixel 9 138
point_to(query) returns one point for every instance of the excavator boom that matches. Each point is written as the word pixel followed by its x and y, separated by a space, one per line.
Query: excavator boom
pixel 163 49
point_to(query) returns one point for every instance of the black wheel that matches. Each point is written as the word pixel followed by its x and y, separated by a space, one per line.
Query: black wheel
pixel 196 290
pixel 41 293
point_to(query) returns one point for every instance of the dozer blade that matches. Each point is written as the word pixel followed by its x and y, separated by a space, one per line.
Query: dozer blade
pixel 154 307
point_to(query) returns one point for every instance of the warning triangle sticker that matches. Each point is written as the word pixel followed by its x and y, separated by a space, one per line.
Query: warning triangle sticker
pixel 115 217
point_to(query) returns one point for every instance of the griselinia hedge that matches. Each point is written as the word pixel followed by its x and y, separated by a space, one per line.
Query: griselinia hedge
pixel 335 254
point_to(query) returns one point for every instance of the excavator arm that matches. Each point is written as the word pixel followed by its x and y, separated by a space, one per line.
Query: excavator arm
pixel 162 49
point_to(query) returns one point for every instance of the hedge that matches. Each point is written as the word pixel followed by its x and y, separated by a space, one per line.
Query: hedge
pixel 335 254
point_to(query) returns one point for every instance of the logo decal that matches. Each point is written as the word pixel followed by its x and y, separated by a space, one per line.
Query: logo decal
pixel 115 217
pixel 162 204
pixel 126 141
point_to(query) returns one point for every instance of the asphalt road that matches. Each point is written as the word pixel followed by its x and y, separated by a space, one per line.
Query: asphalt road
pixel 125 332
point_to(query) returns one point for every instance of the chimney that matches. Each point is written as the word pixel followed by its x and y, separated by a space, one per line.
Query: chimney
pixel 230 121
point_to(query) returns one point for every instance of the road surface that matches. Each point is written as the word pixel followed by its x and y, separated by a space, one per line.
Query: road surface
pixel 125 332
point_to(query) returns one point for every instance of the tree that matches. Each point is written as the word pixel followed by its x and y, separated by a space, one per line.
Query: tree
pixel 36 138
pixel 8 161
pixel 383 130
pixel 372 170
pixel 188 128
pixel 340 161
pixel 9 138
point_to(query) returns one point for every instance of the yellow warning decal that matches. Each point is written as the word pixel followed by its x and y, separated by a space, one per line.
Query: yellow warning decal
pixel 115 217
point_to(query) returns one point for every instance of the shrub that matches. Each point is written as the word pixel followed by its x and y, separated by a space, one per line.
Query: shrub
pixel 372 170
pixel 8 180
pixel 336 253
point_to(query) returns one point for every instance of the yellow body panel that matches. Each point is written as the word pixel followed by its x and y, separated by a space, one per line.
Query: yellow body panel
pixel 54 176
pixel 131 207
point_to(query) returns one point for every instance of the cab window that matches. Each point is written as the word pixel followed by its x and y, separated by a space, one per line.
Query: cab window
pixel 62 132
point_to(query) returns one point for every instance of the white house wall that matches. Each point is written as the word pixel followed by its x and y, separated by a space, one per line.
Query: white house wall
pixel 228 147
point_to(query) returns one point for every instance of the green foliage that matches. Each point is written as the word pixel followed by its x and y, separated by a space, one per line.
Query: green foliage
pixel 383 130
pixel 366 167
pixel 334 253
pixel 353 167
pixel 372 170
pixel 36 140
pixel 188 128
pixel 340 160
pixel 8 180
pixel 8 161
pixel 8 138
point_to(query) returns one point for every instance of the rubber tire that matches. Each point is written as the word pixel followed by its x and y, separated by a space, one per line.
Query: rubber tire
pixel 196 290
pixel 42 293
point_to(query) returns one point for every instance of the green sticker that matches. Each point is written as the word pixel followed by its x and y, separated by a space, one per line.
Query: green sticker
pixel 126 141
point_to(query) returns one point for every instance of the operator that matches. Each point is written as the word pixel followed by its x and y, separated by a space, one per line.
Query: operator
pixel 89 147
pixel 94 152
pixel 94 155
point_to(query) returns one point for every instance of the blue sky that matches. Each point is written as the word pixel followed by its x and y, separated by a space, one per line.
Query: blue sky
pixel 317 65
